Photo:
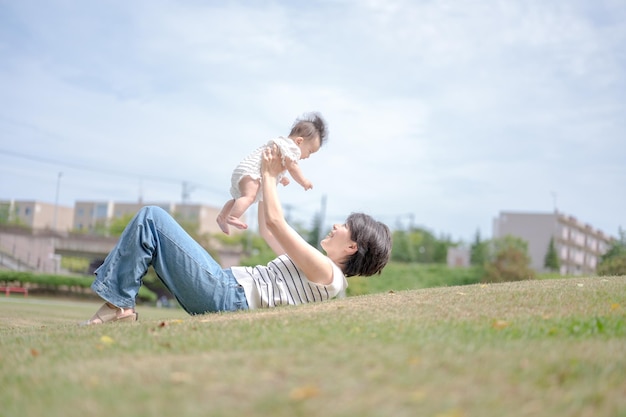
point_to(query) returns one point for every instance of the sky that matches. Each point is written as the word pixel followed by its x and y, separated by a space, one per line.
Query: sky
pixel 442 114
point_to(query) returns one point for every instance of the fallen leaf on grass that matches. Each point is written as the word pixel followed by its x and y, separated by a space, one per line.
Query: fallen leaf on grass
pixel 615 306
pixel 417 396
pixel 180 377
pixel 34 352
pixel 455 412
pixel 107 340
pixel 304 392
pixel 499 324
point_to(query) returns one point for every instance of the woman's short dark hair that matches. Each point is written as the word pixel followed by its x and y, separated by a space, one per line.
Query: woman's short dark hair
pixel 373 240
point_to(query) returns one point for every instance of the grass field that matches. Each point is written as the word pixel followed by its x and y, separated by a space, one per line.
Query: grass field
pixel 532 348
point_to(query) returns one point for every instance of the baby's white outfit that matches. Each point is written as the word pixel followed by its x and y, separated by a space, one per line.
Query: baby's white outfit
pixel 251 164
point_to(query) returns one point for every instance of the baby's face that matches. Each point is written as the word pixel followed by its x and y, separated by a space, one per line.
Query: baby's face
pixel 309 147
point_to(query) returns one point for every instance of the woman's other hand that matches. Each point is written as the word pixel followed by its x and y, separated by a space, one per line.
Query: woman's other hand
pixel 272 161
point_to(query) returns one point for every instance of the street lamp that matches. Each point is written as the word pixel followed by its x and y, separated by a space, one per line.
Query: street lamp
pixel 56 201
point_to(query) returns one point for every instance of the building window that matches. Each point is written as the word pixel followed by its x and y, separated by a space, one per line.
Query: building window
pixel 592 243
pixel 100 211
pixel 579 257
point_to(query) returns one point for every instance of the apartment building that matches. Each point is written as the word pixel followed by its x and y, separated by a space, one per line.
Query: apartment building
pixel 92 215
pixel 36 249
pixel 37 215
pixel 579 246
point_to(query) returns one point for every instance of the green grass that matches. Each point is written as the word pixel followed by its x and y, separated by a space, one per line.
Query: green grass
pixel 533 348
pixel 398 276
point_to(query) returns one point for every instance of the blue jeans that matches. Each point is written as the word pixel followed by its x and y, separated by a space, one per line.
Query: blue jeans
pixel 154 238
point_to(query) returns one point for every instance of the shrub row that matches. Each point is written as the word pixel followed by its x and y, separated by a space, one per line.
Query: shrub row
pixel 59 283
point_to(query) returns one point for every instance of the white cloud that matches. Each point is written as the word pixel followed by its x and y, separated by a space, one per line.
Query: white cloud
pixel 449 111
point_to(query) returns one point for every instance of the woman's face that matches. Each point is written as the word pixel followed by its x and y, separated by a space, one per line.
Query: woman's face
pixel 338 240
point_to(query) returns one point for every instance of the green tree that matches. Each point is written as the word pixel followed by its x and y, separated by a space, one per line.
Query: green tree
pixel 118 224
pixel 5 212
pixel 551 261
pixel 613 262
pixel 419 245
pixel 400 251
pixel 478 250
pixel 508 261
pixel 314 235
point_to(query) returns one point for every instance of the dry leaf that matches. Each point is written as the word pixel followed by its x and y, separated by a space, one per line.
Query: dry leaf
pixel 180 377
pixel 304 392
pixel 499 324
pixel 107 340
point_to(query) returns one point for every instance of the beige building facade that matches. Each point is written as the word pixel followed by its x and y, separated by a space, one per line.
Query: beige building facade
pixel 579 246
pixel 91 215
pixel 38 215
pixel 38 249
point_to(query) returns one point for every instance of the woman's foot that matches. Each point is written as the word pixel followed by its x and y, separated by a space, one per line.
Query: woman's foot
pixel 109 313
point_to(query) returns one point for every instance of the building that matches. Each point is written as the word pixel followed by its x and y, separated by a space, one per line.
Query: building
pixel 37 215
pixel 92 215
pixel 579 246
pixel 47 235
pixel 458 257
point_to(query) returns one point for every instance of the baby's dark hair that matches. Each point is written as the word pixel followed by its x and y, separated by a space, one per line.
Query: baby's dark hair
pixel 373 240
pixel 310 125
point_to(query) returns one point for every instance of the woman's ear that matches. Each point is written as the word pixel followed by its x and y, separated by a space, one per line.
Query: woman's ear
pixel 352 248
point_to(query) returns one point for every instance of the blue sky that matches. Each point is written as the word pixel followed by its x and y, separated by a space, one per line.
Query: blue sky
pixel 443 113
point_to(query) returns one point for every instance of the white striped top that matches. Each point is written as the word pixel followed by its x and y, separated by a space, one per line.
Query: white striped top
pixel 282 283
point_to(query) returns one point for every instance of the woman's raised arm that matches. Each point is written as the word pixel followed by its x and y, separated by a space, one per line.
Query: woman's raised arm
pixel 315 266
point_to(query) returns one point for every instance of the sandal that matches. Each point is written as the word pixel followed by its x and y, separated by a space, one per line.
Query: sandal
pixel 110 313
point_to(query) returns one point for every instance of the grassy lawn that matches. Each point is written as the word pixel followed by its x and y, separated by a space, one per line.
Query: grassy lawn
pixel 533 348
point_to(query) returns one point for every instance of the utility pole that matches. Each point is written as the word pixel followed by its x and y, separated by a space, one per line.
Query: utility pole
pixel 187 188
pixel 56 202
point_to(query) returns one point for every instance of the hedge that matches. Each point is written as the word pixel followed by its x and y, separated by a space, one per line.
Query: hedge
pixel 56 283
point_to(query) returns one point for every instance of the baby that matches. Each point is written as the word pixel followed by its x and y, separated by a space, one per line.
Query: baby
pixel 307 136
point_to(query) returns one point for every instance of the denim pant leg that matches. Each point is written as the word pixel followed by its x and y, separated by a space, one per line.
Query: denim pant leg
pixel 154 238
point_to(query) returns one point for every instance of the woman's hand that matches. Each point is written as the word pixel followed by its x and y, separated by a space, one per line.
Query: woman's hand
pixel 272 161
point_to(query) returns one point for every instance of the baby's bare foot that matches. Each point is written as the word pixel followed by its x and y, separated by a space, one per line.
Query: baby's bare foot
pixel 233 221
pixel 223 225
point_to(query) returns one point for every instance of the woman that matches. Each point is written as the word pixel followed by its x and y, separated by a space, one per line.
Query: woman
pixel 300 274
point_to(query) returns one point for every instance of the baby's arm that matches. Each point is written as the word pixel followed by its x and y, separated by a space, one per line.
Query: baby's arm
pixel 297 175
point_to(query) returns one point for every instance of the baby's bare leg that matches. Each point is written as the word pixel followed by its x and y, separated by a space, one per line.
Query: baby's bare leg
pixel 221 218
pixel 249 188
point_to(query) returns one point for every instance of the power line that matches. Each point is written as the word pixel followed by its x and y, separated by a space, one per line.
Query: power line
pixel 185 184
pixel 84 167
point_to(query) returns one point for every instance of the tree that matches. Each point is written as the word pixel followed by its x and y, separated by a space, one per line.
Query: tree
pixel 551 261
pixel 315 234
pixel 401 250
pixel 478 250
pixel 613 262
pixel 118 224
pixel 508 261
